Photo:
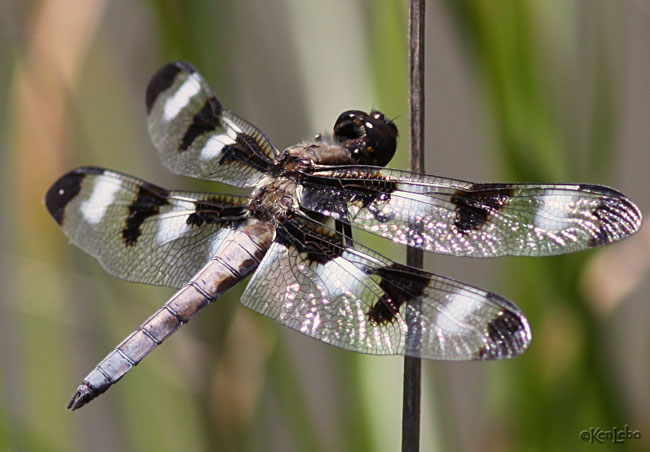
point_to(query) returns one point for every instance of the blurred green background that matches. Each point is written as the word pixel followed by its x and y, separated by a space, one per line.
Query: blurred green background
pixel 544 91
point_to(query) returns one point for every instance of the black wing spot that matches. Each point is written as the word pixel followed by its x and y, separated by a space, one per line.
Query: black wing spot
pixel 401 284
pixel 508 336
pixel 245 150
pixel 474 207
pixel 148 202
pixel 163 79
pixel 604 212
pixel 617 215
pixel 318 246
pixel 329 202
pixel 370 191
pixel 213 210
pixel 65 190
pixel 617 218
pixel 375 207
pixel 206 120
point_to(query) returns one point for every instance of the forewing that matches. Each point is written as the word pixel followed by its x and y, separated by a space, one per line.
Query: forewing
pixel 197 136
pixel 358 300
pixel 138 231
pixel 466 219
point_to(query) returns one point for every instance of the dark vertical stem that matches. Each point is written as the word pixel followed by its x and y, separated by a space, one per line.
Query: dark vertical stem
pixel 414 257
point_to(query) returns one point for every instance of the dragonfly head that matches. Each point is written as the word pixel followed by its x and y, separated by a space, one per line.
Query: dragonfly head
pixel 370 138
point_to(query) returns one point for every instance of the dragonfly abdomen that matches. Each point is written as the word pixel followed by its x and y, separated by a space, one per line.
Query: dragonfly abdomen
pixel 233 260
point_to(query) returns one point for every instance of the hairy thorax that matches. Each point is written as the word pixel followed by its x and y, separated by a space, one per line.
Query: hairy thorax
pixel 276 196
pixel 301 157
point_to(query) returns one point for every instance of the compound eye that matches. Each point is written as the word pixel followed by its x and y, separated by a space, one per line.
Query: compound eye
pixel 370 138
pixel 382 139
pixel 349 125
pixel 380 117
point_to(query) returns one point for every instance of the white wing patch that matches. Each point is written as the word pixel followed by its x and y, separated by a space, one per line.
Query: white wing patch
pixel 557 208
pixel 215 145
pixel 453 318
pixel 173 225
pixel 348 277
pixel 103 195
pixel 412 203
pixel 190 88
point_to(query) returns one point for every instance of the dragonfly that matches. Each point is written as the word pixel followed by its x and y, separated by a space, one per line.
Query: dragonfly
pixel 293 233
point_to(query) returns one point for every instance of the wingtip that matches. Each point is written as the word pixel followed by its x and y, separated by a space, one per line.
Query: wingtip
pixel 634 218
pixel 620 218
pixel 638 216
pixel 163 78
pixel 65 189
pixel 61 193
pixel 84 394
pixel 509 335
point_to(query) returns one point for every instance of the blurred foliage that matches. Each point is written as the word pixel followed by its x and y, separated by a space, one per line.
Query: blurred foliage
pixel 544 79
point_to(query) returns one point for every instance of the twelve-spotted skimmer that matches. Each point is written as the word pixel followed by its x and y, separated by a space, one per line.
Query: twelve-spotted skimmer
pixel 294 233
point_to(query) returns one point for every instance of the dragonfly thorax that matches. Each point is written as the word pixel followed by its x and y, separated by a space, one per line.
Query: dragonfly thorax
pixel 274 198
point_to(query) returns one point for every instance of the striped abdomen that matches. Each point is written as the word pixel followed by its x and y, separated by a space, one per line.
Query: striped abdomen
pixel 233 260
